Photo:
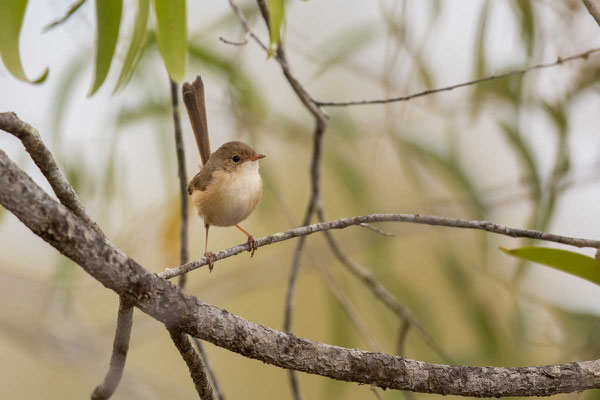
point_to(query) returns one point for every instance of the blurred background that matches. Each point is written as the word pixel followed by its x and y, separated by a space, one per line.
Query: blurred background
pixel 522 151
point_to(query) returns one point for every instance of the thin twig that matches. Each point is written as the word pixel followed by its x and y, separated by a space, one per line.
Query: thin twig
pixel 183 196
pixel 378 230
pixel 342 223
pixel 376 393
pixel 74 7
pixel 119 355
pixel 402 335
pixel 43 158
pixel 522 71
pixel 194 363
pixel 382 294
pixel 593 8
pixel 232 43
pixel 347 307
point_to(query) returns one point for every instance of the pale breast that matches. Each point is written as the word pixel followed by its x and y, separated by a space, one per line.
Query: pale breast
pixel 230 197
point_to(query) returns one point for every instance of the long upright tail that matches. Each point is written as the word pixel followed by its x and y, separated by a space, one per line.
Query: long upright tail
pixel 193 97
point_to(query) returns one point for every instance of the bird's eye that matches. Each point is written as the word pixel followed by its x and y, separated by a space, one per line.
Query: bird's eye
pixel 236 159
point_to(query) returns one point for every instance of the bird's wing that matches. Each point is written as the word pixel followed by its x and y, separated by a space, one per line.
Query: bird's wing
pixel 201 180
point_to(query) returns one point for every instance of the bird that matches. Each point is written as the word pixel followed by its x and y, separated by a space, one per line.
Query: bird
pixel 228 186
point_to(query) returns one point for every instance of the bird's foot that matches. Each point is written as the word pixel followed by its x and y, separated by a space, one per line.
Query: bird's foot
pixel 252 246
pixel 211 260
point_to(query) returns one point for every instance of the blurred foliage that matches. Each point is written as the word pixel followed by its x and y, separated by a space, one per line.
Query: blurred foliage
pixel 11 21
pixel 473 153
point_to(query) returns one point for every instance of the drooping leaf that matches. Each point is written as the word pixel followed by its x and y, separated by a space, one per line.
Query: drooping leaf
pixel 276 17
pixel 563 260
pixel 171 35
pixel 108 21
pixel 135 46
pixel 11 20
pixel 524 11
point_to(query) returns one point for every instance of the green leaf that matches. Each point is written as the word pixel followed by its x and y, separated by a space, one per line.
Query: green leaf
pixel 11 21
pixel 108 20
pixel 135 46
pixel 171 35
pixel 524 11
pixel 572 263
pixel 276 17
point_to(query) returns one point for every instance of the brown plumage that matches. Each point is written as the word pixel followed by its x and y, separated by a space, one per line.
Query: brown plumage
pixel 228 187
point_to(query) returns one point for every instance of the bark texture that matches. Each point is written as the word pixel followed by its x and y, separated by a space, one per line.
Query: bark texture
pixel 165 302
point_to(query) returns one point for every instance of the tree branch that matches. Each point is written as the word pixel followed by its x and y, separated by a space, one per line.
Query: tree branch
pixel 119 355
pixel 194 364
pixel 42 157
pixel 165 302
pixel 342 223
pixel 559 60
pixel 593 8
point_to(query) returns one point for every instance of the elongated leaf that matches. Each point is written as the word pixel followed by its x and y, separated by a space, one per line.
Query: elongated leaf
pixel 171 35
pixel 11 21
pixel 572 263
pixel 108 20
pixel 276 17
pixel 137 39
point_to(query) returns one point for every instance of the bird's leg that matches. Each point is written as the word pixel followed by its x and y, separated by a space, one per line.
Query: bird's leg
pixel 209 254
pixel 251 242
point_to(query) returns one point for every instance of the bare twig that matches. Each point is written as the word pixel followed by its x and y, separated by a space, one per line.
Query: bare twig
pixel 402 335
pixel 211 374
pixel 194 364
pixel 593 7
pixel 383 295
pixel 62 229
pixel 183 196
pixel 376 393
pixel 74 7
pixel 119 355
pixel 232 43
pixel 342 223
pixel 347 307
pixel 377 230
pixel 42 157
pixel 522 71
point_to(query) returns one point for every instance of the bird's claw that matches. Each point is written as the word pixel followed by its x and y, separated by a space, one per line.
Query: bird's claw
pixel 252 246
pixel 211 260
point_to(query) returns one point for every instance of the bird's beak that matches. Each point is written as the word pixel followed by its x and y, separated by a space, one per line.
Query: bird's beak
pixel 257 157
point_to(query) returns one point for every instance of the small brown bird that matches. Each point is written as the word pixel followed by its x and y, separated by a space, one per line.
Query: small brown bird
pixel 228 186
